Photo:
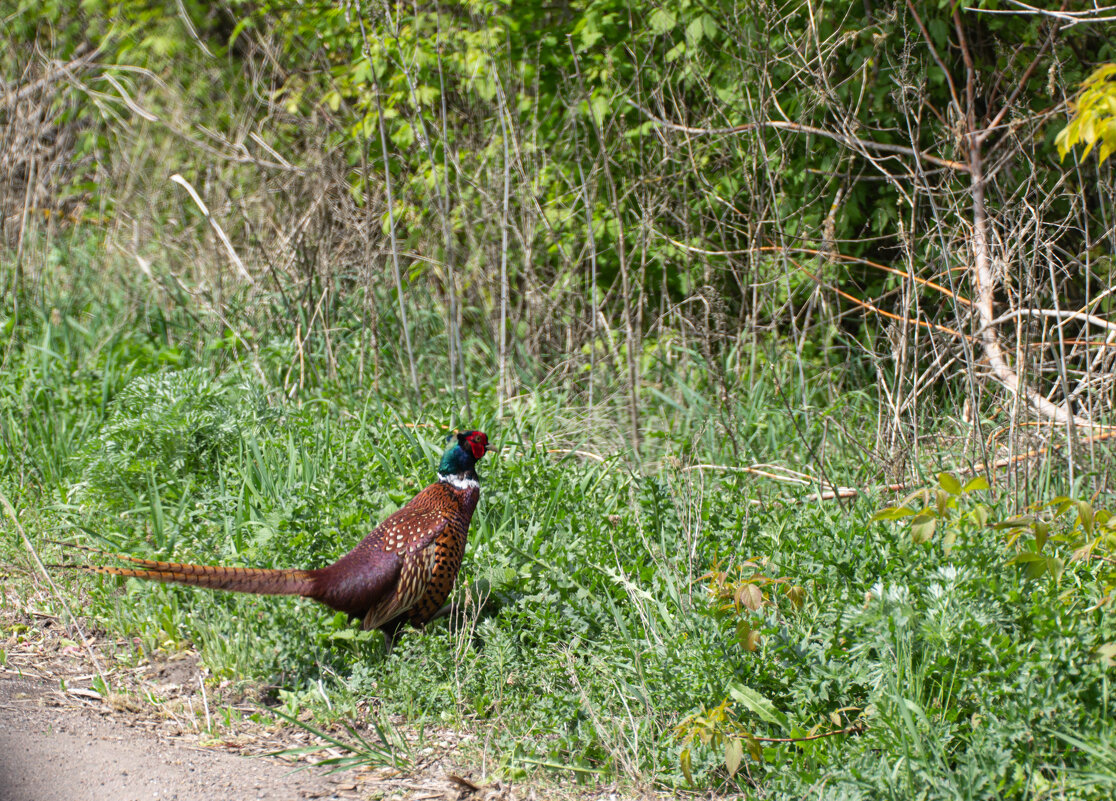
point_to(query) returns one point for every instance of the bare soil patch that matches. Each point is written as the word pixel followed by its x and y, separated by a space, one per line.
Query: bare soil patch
pixel 52 750
pixel 161 731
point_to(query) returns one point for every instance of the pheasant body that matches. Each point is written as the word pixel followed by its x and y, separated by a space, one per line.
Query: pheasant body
pixel 417 551
pixel 402 572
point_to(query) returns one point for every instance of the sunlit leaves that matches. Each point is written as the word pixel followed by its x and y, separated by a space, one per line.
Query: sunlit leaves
pixel 1040 543
pixel 748 589
pixel 720 730
pixel 936 515
pixel 734 752
pixel 922 528
pixel 662 21
pixel 1094 116
pixel 731 728
pixel 1037 565
pixel 975 484
pixel 701 27
pixel 1107 653
pixel 758 705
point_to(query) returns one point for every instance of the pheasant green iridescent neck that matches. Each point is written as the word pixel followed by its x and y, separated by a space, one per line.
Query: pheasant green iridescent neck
pixel 457 461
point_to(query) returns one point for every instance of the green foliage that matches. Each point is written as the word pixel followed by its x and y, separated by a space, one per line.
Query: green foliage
pixel 940 511
pixel 1089 537
pixel 749 592
pixel 448 82
pixel 587 641
pixel 453 84
pixel 949 510
pixel 172 425
pixel 1094 116
pixel 608 623
pixel 390 748
pixel 718 729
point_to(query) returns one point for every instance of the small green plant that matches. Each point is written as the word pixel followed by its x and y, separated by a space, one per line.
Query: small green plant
pixel 722 731
pixel 947 509
pixel 389 749
pixel 748 592
pixel 169 425
pixel 1038 540
pixel 1089 534
pixel 719 730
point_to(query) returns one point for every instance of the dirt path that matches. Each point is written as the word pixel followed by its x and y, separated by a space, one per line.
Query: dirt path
pixel 166 732
pixel 50 751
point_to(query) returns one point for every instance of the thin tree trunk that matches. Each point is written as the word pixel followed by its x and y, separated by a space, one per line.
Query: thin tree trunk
pixel 503 388
pixel 391 211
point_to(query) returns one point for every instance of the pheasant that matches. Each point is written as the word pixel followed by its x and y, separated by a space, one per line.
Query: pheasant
pixel 400 573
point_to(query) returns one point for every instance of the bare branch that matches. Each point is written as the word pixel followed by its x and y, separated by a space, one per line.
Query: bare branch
pixel 1071 18
pixel 845 139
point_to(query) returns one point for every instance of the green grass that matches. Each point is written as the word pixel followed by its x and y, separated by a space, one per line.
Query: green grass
pixel 586 633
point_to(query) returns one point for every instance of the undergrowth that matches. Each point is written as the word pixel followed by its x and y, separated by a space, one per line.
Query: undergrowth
pixel 665 624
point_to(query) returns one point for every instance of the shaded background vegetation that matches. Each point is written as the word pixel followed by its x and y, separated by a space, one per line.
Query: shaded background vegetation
pixel 258 255
pixel 493 178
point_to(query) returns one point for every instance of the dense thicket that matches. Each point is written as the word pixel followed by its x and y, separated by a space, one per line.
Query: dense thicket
pixel 601 186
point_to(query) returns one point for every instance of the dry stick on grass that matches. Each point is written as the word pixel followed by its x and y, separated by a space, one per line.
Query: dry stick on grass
pixel 834 493
pixel 856 728
pixel 78 634
pixel 570 451
pixel 758 470
pixel 826 495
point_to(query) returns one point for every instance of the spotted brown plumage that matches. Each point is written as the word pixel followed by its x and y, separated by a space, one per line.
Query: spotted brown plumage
pixel 400 573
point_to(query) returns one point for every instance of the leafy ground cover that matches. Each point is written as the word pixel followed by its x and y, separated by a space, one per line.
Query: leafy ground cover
pixel 664 624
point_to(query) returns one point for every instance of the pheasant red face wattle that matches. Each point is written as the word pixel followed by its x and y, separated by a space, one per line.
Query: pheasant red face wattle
pixel 478 444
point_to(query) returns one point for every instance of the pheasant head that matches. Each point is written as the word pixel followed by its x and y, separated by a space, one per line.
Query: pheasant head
pixel 460 459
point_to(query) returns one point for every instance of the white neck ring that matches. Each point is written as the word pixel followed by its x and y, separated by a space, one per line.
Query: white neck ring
pixel 459 482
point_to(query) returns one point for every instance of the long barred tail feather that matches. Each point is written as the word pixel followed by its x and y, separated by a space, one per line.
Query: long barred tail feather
pixel 259 581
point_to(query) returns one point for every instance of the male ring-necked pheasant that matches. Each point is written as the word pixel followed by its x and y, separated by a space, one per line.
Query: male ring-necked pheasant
pixel 400 573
